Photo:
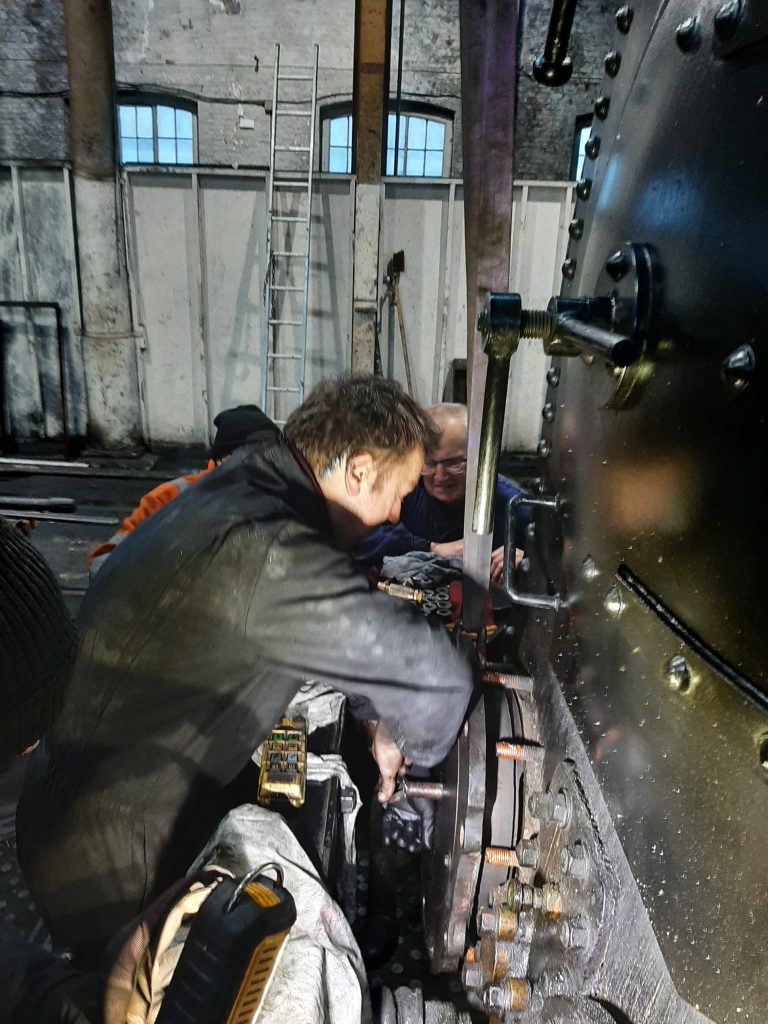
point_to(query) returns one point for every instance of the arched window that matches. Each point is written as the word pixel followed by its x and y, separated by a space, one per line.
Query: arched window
pixel 158 132
pixel 423 144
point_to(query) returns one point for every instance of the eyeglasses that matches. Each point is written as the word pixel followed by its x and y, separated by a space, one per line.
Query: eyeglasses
pixel 453 467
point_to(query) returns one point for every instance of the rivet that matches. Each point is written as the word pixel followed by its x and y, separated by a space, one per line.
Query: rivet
pixel 739 366
pixel 677 673
pixel 688 34
pixel 530 530
pixel 602 105
pixel 624 17
pixel 584 188
pixel 553 376
pixel 576 228
pixel 548 412
pixel 727 18
pixel 588 568
pixel 613 602
pixel 543 448
pixel 612 63
pixel 617 265
pixel 569 268
pixel 592 148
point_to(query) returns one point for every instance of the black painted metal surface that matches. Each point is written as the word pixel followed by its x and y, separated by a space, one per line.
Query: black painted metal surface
pixel 661 470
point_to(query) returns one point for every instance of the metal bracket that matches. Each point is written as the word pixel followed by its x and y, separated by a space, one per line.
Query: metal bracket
pixel 552 601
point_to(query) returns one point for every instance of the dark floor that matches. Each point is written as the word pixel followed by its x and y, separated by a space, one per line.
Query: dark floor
pixel 110 490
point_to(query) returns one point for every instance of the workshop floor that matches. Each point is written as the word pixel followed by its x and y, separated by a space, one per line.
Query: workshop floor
pixel 111 491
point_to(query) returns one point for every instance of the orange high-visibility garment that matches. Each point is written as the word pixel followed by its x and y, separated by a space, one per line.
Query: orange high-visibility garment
pixel 148 505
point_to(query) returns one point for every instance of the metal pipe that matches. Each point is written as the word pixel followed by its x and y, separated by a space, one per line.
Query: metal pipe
pixel 496 380
pixel 618 349
pixel 399 93
pixel 53 517
pixel 554 67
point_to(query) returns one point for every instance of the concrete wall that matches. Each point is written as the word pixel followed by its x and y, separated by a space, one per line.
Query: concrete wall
pixel 546 117
pixel 219 55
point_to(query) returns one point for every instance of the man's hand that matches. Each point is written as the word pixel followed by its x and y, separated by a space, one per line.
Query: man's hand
pixel 451 549
pixel 497 563
pixel 389 759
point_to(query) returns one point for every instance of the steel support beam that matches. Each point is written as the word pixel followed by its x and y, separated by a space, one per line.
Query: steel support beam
pixel 373 27
pixel 488 83
pixel 106 312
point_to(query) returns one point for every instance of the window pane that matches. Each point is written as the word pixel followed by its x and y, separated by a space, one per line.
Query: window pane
pixel 390 162
pixel 417 133
pixel 433 165
pixel 183 124
pixel 166 151
pixel 146 153
pixel 415 163
pixel 391 131
pixel 128 153
pixel 338 159
pixel 435 135
pixel 166 123
pixel 401 162
pixel 127 120
pixel 144 122
pixel 184 151
pixel 339 131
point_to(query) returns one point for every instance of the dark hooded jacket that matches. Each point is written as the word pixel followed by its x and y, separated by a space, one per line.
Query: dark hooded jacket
pixel 196 634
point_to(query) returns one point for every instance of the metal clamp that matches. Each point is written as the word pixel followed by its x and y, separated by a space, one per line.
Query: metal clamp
pixel 553 601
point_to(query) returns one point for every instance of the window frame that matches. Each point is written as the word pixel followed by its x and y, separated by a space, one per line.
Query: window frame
pixel 583 122
pixel 427 111
pixel 153 101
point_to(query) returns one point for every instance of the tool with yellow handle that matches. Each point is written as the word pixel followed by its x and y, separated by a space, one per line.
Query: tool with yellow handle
pixel 231 952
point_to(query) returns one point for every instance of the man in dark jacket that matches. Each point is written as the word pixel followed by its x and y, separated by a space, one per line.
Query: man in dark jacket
pixel 197 633
pixel 432 516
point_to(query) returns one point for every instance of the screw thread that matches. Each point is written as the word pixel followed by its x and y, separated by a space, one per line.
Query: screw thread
pixel 537 323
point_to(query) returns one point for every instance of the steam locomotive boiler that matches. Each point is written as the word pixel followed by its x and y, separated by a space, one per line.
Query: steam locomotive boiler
pixel 604 853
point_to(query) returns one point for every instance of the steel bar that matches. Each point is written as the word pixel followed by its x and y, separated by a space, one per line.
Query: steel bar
pixel 54 517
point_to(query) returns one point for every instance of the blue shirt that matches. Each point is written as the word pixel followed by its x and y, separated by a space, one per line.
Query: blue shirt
pixel 425 520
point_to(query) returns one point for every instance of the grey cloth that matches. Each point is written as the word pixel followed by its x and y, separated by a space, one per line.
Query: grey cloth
pixel 196 634
pixel 422 568
pixel 320 975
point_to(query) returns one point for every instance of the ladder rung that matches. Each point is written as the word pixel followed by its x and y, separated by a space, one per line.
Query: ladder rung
pixel 280 355
pixel 290 220
pixel 289 323
pixel 284 252
pixel 290 183
pixel 295 78
pixel 286 288
pixel 291 149
pixel 294 113
pixel 293 391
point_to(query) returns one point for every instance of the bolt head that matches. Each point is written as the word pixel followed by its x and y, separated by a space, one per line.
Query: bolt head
pixel 688 34
pixel 553 376
pixel 624 17
pixel 612 63
pixel 561 808
pixel 727 19
pixel 602 105
pixel 569 268
pixel 614 602
pixel 617 265
pixel 576 228
pixel 584 188
pixel 677 673
pixel 588 568
pixel 486 922
pixel 592 148
pixel 548 412
pixel 543 448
